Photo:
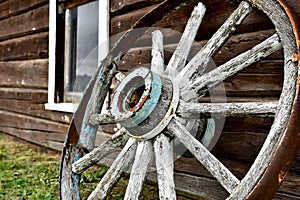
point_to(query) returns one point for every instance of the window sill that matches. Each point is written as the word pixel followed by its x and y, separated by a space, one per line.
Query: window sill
pixel 62 107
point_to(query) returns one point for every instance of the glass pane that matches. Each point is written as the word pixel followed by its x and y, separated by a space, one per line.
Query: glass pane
pixel 84 47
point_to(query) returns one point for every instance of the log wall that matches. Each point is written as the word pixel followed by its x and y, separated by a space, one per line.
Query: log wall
pixel 24 75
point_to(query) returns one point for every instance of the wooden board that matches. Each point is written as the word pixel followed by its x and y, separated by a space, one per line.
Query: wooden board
pixel 26 122
pixel 30 22
pixel 30 74
pixel 15 7
pixel 27 47
pixel 117 7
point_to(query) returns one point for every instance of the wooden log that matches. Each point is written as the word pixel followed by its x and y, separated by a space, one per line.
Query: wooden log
pixel 27 47
pixel 40 138
pixel 124 22
pixel 34 109
pixel 31 73
pixel 243 146
pixel 15 120
pixel 30 22
pixel 195 186
pixel 35 96
pixel 119 7
pixel 15 7
pixel 253 124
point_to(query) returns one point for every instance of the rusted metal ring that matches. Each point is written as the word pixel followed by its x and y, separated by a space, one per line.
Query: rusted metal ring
pixel 131 95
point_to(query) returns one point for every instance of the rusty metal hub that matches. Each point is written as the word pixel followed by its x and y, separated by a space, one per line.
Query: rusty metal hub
pixel 144 103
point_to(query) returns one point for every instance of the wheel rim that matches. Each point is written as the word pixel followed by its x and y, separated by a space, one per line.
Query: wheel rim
pixel 238 189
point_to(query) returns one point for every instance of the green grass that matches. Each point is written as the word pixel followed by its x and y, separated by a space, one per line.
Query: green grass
pixel 25 174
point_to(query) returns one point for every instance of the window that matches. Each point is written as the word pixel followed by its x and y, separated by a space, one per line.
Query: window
pixel 76 31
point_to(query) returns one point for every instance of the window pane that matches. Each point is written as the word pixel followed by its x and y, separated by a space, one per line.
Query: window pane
pixel 84 52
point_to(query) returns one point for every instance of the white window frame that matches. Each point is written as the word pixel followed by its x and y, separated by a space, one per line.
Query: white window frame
pixel 103 38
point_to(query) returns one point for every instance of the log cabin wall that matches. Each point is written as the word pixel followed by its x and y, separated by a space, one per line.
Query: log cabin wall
pixel 24 74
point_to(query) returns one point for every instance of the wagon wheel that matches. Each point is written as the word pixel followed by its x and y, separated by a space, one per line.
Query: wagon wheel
pixel 165 101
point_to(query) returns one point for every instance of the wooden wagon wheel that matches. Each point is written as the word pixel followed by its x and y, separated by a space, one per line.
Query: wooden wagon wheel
pixel 165 100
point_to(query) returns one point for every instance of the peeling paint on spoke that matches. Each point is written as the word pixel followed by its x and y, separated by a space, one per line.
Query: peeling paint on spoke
pixel 163 149
pixel 139 169
pixel 157 62
pixel 103 118
pixel 106 148
pixel 208 160
pixel 121 163
pixel 199 62
pixel 183 48
pixel 192 110
pixel 200 85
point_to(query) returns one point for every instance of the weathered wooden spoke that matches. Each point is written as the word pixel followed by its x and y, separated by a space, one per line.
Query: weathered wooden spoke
pixel 139 169
pixel 192 110
pixel 102 119
pixel 163 149
pixel 201 84
pixel 122 162
pixel 157 62
pixel 180 55
pixel 199 62
pixel 208 160
pixel 106 148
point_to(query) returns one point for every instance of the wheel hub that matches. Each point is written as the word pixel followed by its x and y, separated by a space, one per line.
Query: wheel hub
pixel 144 103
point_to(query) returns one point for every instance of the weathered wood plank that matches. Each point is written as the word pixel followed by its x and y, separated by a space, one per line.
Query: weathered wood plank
pixel 157 61
pixel 36 137
pixel 14 120
pixel 31 73
pixel 253 124
pixel 244 146
pixel 27 47
pixel 109 146
pixel 182 50
pixel 199 63
pixel 34 147
pixel 35 96
pixel 144 154
pixel 195 186
pixel 163 149
pixel 231 67
pixel 30 22
pixel 208 160
pixel 33 109
pixel 122 162
pixel 191 110
pixel 123 6
pixel 15 7
pixel 124 22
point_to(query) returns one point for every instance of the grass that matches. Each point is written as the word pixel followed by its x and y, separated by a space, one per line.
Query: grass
pixel 25 174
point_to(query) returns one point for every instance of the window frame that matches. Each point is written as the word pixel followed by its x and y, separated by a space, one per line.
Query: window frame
pixel 103 38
